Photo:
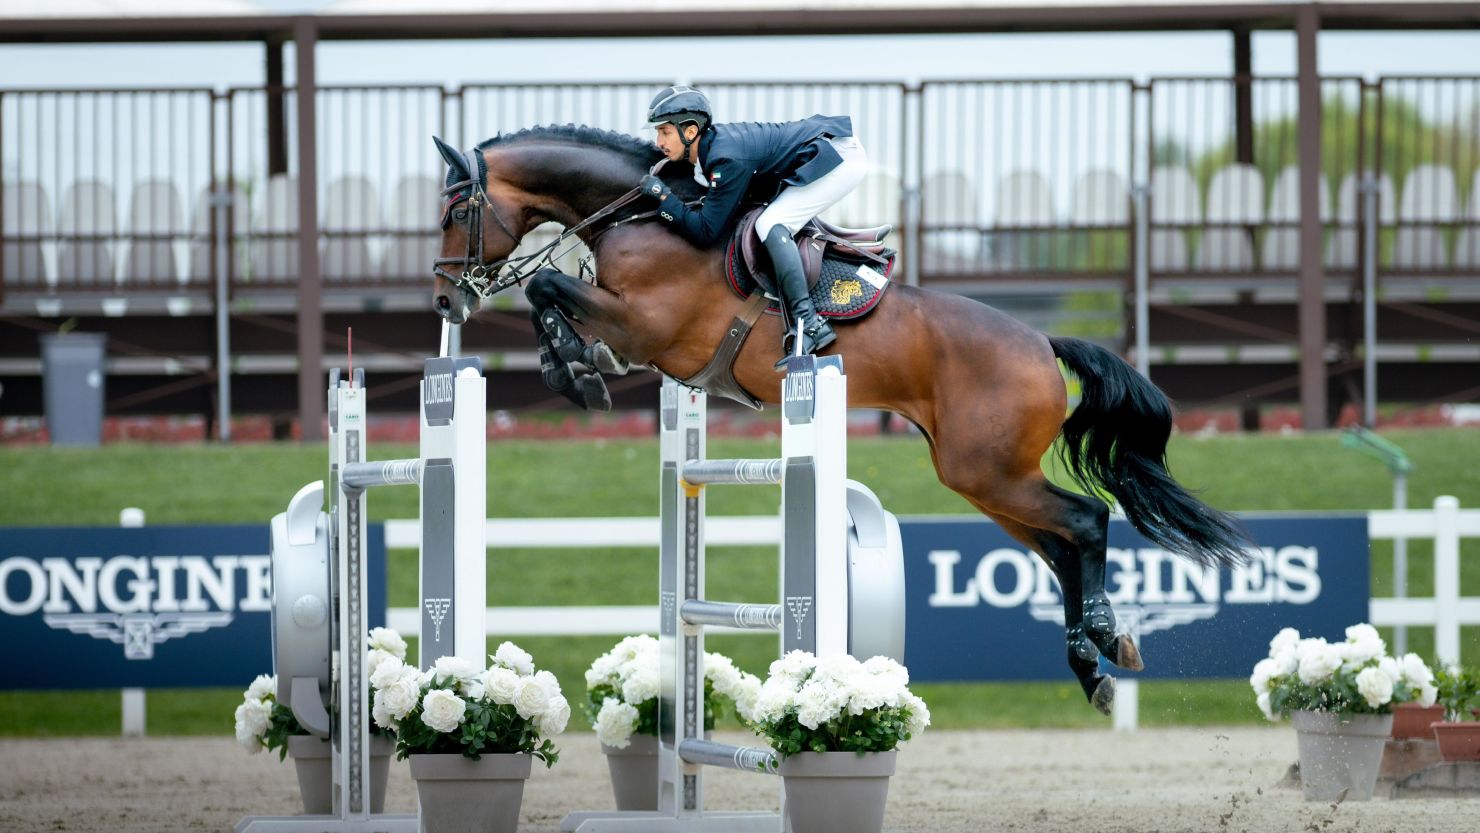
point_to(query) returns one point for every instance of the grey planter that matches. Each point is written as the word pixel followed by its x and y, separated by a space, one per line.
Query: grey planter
pixel 458 795
pixel 1340 753
pixel 634 772
pixel 837 792
pixel 311 757
pixel 315 763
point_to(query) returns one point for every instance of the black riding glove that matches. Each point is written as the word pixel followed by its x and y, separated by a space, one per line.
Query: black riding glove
pixel 653 187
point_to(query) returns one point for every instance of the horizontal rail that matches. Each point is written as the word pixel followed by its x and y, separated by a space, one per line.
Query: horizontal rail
pixel 584 533
pixel 732 472
pixel 760 617
pixel 744 758
pixel 362 476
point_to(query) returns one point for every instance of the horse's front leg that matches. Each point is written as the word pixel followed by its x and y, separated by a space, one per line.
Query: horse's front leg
pixel 569 365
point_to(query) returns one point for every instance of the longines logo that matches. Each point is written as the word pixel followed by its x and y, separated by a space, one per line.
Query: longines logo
pixel 134 601
pixel 1151 589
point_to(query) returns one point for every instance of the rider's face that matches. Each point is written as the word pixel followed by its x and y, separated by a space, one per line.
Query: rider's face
pixel 670 142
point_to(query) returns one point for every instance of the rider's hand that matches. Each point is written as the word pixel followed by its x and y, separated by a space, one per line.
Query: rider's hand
pixel 653 187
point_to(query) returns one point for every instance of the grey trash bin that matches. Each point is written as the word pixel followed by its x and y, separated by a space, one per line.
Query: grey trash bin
pixel 72 384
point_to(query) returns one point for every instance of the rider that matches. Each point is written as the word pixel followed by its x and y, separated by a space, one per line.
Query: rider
pixel 801 168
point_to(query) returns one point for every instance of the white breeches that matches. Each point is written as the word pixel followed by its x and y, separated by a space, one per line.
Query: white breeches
pixel 798 204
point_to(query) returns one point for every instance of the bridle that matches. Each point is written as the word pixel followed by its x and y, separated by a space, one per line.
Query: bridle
pixel 482 278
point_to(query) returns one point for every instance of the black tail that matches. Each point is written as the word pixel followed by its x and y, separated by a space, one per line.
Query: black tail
pixel 1116 440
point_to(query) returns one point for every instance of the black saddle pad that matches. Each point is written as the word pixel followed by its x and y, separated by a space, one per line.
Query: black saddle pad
pixel 848 287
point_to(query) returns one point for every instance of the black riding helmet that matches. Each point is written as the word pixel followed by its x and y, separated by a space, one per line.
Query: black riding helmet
pixel 678 105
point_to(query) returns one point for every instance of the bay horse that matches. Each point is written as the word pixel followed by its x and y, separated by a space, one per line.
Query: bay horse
pixel 984 388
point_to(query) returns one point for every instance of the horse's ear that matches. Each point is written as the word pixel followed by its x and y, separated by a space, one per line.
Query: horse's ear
pixel 454 159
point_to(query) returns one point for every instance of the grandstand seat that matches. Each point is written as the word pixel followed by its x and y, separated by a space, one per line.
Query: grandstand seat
pixel 154 208
pixel 414 207
pixel 351 204
pixel 274 248
pixel 88 208
pixel 949 199
pixel 27 212
pixel 1174 201
pixel 1024 200
pixel 202 268
pixel 1235 195
pixel 1341 249
pixel 1467 246
pixel 1429 198
pixel 1280 251
pixel 1099 213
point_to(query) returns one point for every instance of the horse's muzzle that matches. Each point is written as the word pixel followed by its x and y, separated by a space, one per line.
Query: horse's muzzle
pixel 455 304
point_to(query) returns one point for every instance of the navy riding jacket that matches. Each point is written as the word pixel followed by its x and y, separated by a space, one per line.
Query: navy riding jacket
pixel 748 163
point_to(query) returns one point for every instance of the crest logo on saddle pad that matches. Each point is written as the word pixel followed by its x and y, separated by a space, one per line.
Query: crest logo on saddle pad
pixel 843 292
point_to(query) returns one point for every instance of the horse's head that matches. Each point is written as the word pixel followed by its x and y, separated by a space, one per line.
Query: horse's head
pixel 478 235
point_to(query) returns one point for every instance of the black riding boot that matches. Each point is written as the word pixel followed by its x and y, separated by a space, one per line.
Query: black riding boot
pixel 791 285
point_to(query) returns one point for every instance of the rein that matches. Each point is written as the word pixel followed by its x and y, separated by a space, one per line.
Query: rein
pixel 484 279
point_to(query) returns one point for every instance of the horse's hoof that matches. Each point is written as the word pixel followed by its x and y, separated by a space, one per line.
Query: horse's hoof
pixel 593 392
pixel 1127 655
pixel 1104 696
pixel 601 356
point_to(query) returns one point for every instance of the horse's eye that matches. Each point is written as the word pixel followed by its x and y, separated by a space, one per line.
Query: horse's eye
pixel 460 215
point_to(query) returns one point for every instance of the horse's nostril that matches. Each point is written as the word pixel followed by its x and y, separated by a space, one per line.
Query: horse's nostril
pixel 443 303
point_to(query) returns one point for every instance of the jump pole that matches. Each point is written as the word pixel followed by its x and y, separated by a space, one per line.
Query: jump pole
pixel 320 557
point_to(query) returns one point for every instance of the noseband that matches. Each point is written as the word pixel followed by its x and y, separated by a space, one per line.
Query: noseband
pixel 482 278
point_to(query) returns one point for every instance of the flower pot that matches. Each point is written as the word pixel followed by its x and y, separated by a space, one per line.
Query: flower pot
pixel 837 792
pixel 634 772
pixel 1458 741
pixel 1410 720
pixel 312 758
pixel 458 795
pixel 1340 753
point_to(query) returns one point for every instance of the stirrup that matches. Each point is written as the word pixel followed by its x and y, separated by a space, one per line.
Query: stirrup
pixel 815 338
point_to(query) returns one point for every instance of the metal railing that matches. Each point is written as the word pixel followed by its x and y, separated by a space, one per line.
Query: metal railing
pixel 989 183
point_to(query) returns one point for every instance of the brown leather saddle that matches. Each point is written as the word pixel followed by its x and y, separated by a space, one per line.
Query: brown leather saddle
pixel 847 272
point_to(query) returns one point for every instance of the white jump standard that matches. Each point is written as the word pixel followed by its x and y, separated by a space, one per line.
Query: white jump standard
pixel 842 584
pixel 307 581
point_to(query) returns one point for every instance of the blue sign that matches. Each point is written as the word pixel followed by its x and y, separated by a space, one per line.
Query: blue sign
pixel 149 607
pixel 982 606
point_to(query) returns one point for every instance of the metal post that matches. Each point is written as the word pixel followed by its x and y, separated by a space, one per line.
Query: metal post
pixel 1369 301
pixel 1312 304
pixel 310 282
pixel 221 200
pixel 135 710
pixel 1400 561
pixel 1142 255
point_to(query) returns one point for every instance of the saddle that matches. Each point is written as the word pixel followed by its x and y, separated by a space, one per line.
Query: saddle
pixel 847 272
pixel 821 244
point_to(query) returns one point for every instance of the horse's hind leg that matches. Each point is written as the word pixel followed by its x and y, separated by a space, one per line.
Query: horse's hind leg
pixel 1084 657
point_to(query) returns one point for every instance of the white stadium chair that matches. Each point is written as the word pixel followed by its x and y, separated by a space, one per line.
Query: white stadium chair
pixel 201 253
pixel 1341 250
pixel 351 204
pixel 949 199
pixel 1429 196
pixel 1235 195
pixel 154 208
pixel 274 248
pixel 88 207
pixel 416 204
pixel 1174 200
pixel 1280 251
pixel 27 212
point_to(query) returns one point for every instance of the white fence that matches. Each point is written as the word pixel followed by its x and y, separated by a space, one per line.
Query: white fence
pixel 1446 524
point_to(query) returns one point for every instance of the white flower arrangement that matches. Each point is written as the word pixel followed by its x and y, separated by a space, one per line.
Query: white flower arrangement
pixel 261 721
pixel 1352 677
pixel 837 704
pixel 622 691
pixel 264 723
pixel 459 708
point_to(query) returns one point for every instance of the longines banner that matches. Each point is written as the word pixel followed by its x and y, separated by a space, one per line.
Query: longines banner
pixel 151 607
pixel 981 606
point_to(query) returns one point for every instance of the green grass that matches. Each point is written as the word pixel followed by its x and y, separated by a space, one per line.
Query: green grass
pixel 250 483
